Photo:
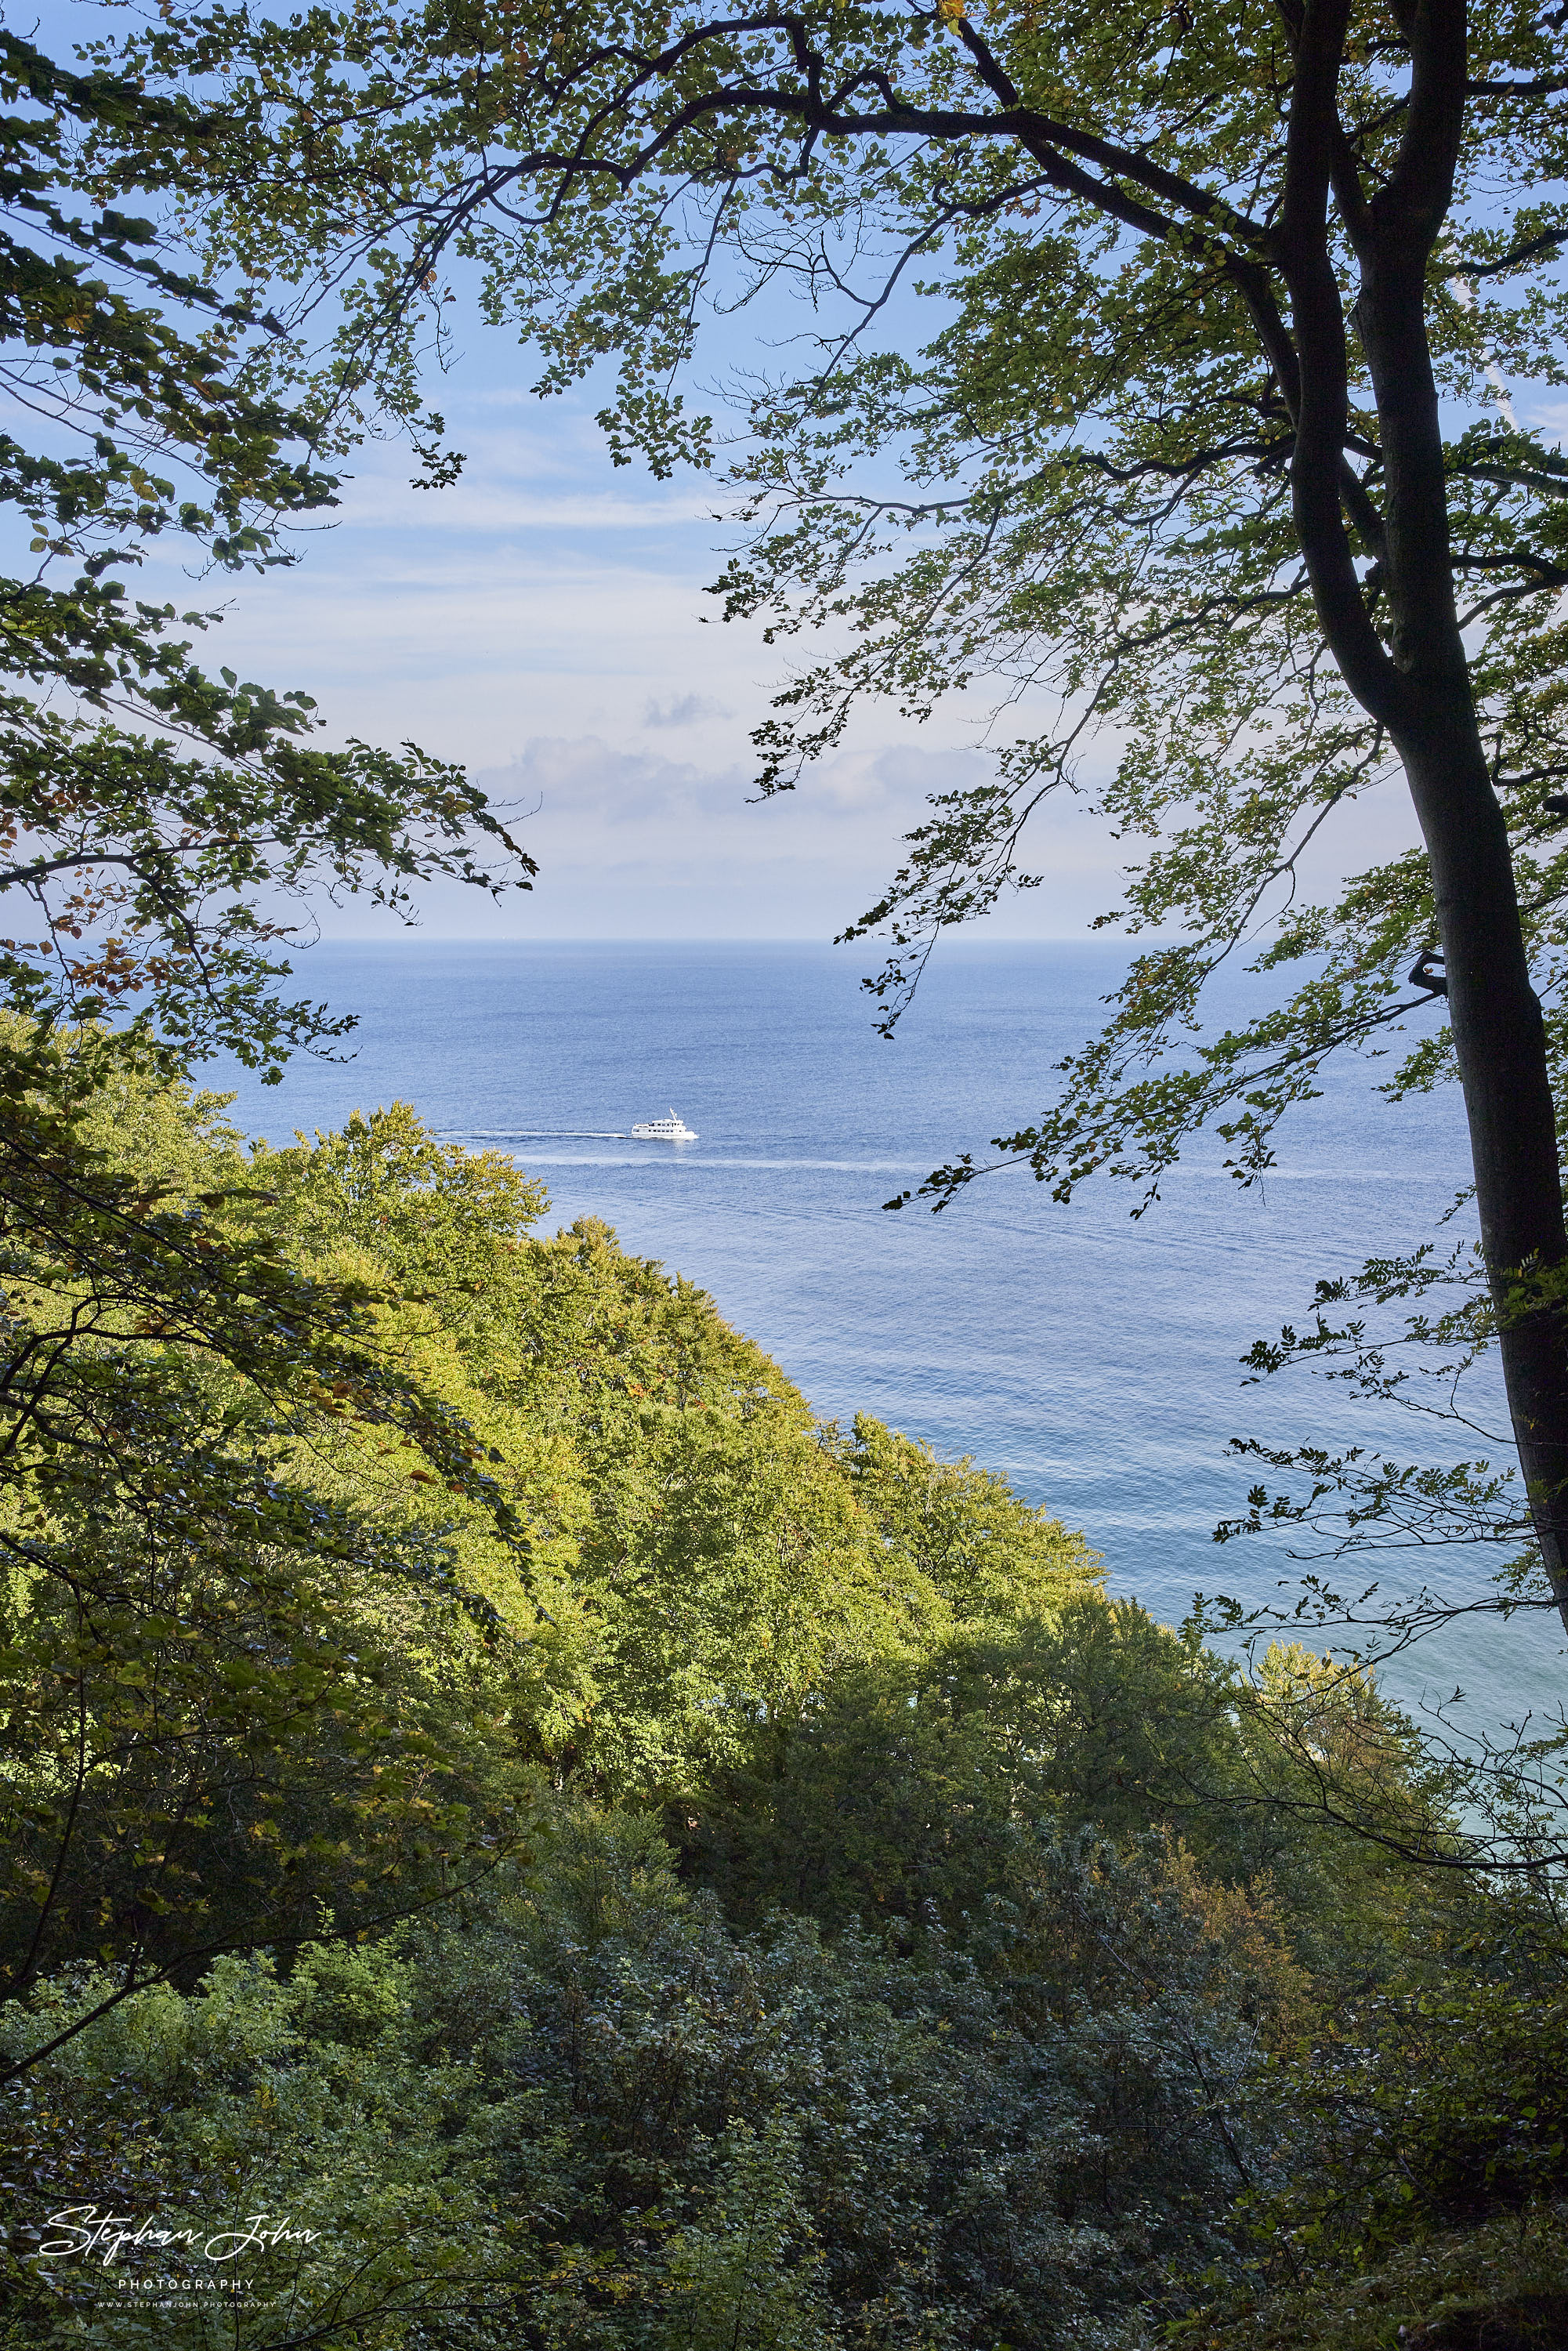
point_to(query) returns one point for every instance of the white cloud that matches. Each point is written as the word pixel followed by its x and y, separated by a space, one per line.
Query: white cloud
pixel 633 844
pixel 685 710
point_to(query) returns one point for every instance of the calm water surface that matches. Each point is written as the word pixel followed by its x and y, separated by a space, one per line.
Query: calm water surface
pixel 1092 1358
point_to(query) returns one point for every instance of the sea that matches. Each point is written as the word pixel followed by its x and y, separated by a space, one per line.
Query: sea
pixel 1092 1357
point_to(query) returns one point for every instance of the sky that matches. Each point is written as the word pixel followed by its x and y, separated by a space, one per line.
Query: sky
pixel 544 623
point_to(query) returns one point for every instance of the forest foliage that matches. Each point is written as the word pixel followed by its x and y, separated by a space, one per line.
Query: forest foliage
pixel 573 1850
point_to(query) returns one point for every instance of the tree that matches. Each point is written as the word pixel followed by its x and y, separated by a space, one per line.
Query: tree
pixel 1205 461
pixel 231 1694
pixel 156 867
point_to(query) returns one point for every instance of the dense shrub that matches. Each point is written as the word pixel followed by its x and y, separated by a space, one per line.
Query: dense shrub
pixel 587 2109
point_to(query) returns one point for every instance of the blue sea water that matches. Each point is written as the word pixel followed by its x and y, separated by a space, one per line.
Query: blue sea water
pixel 1092 1358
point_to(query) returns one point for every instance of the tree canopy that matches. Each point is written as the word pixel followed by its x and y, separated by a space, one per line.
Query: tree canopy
pixel 601 1857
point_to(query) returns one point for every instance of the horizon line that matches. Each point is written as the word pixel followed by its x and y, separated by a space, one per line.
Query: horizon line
pixel 421 937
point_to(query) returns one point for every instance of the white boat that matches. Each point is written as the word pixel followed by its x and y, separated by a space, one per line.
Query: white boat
pixel 673 1129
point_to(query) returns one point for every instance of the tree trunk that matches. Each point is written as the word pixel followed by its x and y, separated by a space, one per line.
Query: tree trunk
pixel 1500 1037
pixel 1499 1041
